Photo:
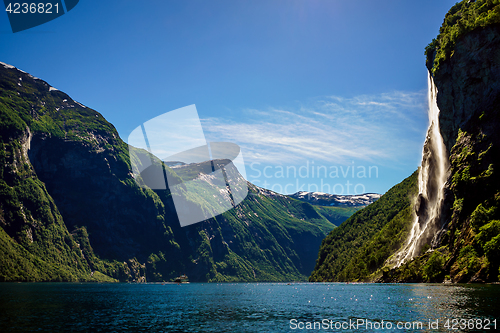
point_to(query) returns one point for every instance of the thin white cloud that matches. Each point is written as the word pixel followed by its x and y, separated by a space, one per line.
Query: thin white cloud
pixel 333 129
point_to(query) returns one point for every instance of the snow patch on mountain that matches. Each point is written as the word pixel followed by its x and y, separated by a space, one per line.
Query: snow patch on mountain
pixel 326 199
pixel 6 65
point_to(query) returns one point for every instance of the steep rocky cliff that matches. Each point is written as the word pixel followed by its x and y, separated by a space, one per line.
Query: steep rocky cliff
pixel 464 61
pixel 469 84
pixel 71 210
pixel 469 100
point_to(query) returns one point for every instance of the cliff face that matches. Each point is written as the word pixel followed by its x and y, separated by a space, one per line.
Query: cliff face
pixel 67 189
pixel 469 84
pixel 464 61
pixel 469 102
pixel 70 209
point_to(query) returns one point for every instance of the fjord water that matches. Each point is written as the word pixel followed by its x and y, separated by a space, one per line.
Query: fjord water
pixel 239 307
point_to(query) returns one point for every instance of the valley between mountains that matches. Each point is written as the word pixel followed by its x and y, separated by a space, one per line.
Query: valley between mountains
pixel 71 209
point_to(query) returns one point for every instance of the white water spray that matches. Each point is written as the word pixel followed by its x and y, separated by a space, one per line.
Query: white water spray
pixel 431 180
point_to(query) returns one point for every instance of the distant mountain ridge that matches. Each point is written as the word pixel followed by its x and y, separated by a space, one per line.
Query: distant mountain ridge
pixel 326 199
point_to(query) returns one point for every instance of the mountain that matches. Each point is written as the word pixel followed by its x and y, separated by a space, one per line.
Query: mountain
pixel 336 208
pixel 354 250
pixel 458 240
pixel 326 199
pixel 465 62
pixel 71 209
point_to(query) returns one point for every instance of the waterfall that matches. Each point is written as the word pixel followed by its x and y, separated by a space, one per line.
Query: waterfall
pixel 432 177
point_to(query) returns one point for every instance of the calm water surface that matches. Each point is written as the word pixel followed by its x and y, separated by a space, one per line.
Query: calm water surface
pixel 247 307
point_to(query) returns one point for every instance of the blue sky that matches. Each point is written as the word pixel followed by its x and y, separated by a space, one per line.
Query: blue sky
pixel 297 84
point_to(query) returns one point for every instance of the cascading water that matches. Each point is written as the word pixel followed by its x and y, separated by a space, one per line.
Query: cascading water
pixel 431 180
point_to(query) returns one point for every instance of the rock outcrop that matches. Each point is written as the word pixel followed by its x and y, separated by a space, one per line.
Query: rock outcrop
pixel 469 100
pixel 469 84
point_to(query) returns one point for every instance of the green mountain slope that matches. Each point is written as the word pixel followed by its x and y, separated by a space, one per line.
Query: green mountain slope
pixel 34 242
pixel 355 249
pixel 336 215
pixel 336 208
pixel 71 209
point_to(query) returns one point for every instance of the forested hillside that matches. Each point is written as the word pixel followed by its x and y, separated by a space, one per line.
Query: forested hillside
pixel 357 248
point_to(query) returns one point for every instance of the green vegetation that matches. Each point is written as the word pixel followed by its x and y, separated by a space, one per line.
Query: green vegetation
pixel 336 215
pixel 470 250
pixel 35 244
pixel 474 229
pixel 290 245
pixel 71 210
pixel 369 261
pixel 356 249
pixel 463 17
pixel 427 267
pixel 433 268
pixel 361 248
